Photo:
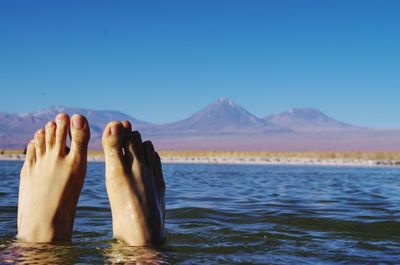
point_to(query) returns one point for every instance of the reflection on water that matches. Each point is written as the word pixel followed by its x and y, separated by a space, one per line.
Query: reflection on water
pixel 28 253
pixel 223 214
pixel 119 253
pixel 116 253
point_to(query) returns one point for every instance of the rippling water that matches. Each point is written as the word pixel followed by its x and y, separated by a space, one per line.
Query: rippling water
pixel 234 214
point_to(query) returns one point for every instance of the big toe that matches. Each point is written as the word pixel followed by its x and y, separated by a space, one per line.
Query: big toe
pixel 80 135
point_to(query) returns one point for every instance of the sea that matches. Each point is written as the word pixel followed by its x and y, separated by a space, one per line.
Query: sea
pixel 232 214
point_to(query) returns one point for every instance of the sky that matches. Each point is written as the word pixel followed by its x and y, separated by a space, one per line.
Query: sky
pixel 161 61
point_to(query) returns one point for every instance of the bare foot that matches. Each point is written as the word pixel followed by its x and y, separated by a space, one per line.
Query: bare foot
pixel 135 186
pixel 51 180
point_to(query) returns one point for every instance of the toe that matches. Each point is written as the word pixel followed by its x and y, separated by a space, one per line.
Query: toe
pixel 62 121
pixel 80 134
pixel 50 135
pixel 158 173
pixel 30 157
pixel 112 144
pixel 160 185
pixel 149 153
pixel 127 125
pixel 138 148
pixel 128 142
pixel 40 145
pixel 133 145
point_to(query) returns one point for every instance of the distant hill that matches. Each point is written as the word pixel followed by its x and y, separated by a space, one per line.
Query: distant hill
pixel 222 116
pixel 17 129
pixel 307 119
pixel 222 125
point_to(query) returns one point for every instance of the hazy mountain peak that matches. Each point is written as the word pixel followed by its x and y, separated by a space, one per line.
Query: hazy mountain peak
pixel 223 115
pixel 306 118
pixel 225 101
pixel 20 127
pixel 52 110
pixel 226 109
pixel 305 113
pixel 299 110
pixel 57 107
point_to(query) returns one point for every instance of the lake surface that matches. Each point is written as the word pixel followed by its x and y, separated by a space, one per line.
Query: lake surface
pixel 234 214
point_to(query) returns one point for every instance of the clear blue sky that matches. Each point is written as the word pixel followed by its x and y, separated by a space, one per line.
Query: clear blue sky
pixel 161 61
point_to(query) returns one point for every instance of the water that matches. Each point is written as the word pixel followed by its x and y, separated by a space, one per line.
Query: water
pixel 232 214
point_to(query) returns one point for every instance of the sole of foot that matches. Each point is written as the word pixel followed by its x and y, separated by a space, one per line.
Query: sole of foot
pixel 135 186
pixel 51 180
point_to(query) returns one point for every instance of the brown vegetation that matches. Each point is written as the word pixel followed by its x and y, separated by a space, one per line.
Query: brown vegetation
pixel 391 156
pixel 379 156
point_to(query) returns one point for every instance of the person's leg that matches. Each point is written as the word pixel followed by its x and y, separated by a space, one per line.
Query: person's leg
pixel 135 186
pixel 51 180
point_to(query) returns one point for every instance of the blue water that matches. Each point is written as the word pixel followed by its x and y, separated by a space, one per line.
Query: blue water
pixel 233 214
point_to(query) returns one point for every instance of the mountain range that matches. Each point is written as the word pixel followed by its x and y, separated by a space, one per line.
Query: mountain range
pixel 222 125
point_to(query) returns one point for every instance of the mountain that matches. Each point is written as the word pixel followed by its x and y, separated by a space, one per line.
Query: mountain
pixel 300 119
pixel 222 116
pixel 222 125
pixel 17 129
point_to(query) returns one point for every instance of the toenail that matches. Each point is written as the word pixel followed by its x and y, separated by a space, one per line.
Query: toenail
pixel 115 130
pixel 77 122
pixel 61 116
pixel 40 131
pixel 126 123
pixel 50 124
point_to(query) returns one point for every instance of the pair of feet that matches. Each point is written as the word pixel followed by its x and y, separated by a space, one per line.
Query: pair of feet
pixel 53 175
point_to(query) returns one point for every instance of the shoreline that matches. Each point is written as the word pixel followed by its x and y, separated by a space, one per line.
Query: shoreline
pixel 278 161
pixel 248 160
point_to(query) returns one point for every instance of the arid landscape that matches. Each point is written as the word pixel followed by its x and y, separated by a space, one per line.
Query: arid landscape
pixel 255 157
pixel 221 126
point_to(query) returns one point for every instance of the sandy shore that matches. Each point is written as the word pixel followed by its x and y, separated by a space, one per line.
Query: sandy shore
pixel 249 160
pixel 278 161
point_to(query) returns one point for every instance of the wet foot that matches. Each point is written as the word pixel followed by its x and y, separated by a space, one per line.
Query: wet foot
pixel 135 186
pixel 51 180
